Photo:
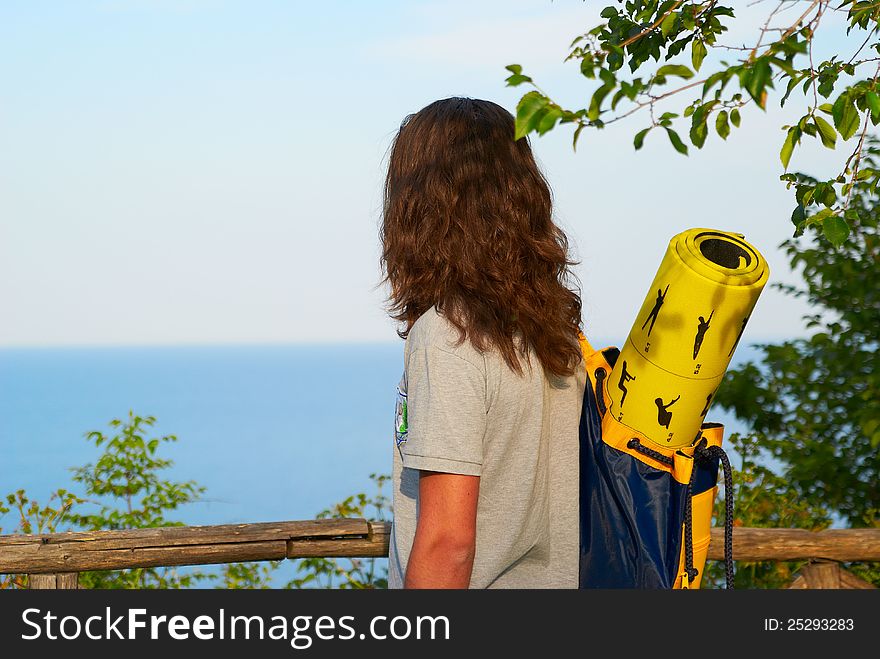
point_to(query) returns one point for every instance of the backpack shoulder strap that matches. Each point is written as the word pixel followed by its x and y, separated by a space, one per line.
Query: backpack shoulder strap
pixel 586 348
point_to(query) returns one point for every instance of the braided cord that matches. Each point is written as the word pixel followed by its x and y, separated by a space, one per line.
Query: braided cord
pixel 636 445
pixel 689 568
pixel 710 453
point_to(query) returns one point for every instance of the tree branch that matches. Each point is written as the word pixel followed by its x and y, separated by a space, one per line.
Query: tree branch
pixel 651 27
pixel 653 100
pixel 764 30
pixel 858 151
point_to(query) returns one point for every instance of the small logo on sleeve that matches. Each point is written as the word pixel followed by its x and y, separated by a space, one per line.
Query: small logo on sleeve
pixel 400 422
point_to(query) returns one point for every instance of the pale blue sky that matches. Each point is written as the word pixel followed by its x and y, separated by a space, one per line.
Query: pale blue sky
pixel 209 171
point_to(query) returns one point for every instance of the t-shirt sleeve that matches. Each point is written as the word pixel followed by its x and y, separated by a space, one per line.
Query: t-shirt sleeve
pixel 446 409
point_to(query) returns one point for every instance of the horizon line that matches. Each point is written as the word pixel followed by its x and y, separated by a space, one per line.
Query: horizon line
pixel 597 342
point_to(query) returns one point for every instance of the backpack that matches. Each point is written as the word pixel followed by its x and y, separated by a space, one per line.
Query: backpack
pixel 649 463
pixel 645 509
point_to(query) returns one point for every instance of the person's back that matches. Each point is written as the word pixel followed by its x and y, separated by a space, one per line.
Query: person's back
pixel 470 413
pixel 486 430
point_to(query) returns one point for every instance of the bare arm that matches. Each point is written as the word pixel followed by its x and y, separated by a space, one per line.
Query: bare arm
pixel 442 555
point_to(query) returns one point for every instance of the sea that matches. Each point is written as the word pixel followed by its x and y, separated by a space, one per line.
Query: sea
pixel 273 432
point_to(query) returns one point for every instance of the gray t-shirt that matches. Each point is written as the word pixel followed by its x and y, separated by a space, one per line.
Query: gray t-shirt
pixel 465 412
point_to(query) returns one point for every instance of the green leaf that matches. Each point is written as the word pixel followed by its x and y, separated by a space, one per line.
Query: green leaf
pixel 667 24
pixel 608 77
pixel 516 79
pixel 784 66
pixel 734 117
pixel 679 70
pixel 577 134
pixel 819 217
pixel 798 215
pixel 804 193
pixel 873 103
pixel 548 120
pixel 792 83
pixel 528 106
pixel 687 17
pixel 698 53
pixel 614 58
pixel 515 69
pixel 714 79
pixel 699 130
pixel 827 80
pixel 826 132
pixel 588 67
pixel 757 79
pixel 679 146
pixel 532 124
pixel 825 193
pixel 846 117
pixel 639 139
pixel 596 101
pixel 810 129
pixel 721 125
pixel 792 138
pixel 836 230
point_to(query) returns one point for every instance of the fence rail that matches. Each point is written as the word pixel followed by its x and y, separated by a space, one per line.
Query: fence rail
pixel 52 560
pixel 191 545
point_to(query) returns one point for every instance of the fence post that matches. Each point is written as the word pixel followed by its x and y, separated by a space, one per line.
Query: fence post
pixel 827 574
pixel 55 581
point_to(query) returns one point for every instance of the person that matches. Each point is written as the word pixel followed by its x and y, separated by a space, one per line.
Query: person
pixel 702 328
pixel 655 310
pixel 625 376
pixel 664 416
pixel 485 457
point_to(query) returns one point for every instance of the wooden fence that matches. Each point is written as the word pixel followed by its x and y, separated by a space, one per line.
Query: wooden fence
pixel 54 560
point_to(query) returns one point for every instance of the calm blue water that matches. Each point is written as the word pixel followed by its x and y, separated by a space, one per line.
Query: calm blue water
pixel 273 432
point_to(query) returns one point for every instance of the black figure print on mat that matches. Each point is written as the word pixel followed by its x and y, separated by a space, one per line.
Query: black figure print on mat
pixel 739 336
pixel 664 416
pixel 624 378
pixel 652 317
pixel 702 328
pixel 708 402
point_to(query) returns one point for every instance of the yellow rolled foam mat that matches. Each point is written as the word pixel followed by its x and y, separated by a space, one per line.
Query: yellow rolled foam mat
pixel 686 332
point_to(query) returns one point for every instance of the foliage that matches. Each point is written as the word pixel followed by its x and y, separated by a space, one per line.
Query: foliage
pixel 840 94
pixel 128 469
pixel 131 495
pixel 813 404
pixel 762 498
pixel 349 573
pixel 126 487
pixel 124 490
pixel 36 518
pixel 248 576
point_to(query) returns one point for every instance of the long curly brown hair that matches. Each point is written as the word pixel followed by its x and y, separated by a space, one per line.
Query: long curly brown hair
pixel 467 227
